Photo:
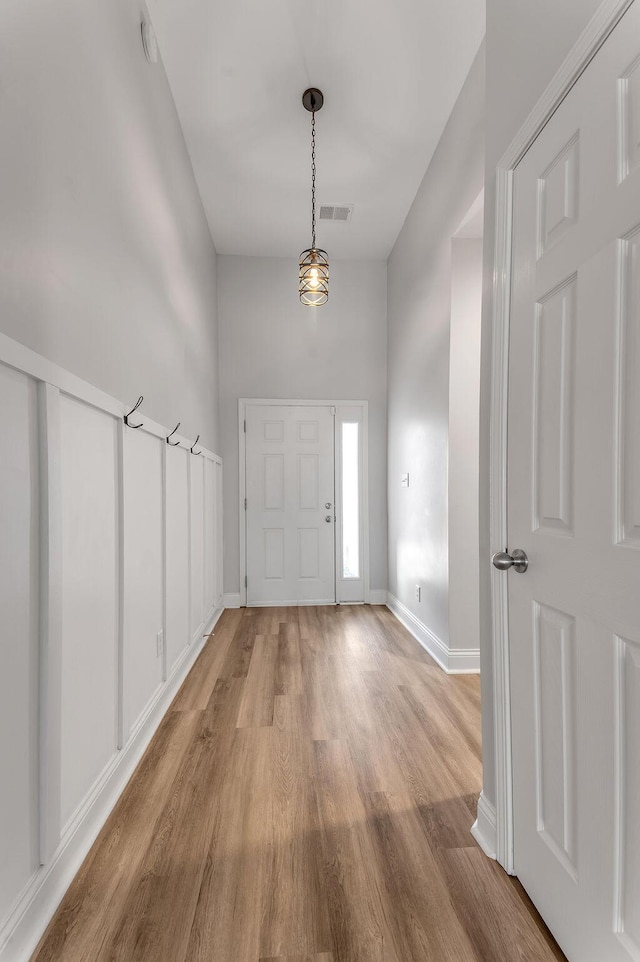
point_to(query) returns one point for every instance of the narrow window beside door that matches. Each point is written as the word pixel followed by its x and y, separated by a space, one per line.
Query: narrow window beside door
pixel 350 500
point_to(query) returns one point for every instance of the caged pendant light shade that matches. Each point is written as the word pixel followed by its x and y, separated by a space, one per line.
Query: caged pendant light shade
pixel 313 274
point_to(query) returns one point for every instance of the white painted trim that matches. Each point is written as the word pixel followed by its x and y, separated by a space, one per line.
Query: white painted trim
pixel 163 543
pixel 356 412
pixel 242 489
pixel 63 851
pixel 231 600
pixel 243 403
pixel 484 827
pixel 365 504
pixel 300 402
pixel 120 734
pixel 50 651
pixel 378 596
pixel 23 359
pixel 498 520
pixel 454 662
pixel 30 917
pixel 588 44
pixel 322 602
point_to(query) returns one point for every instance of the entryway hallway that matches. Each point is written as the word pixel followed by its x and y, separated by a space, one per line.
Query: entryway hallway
pixel 308 797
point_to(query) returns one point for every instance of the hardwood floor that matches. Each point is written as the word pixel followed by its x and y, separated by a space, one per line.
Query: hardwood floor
pixel 307 798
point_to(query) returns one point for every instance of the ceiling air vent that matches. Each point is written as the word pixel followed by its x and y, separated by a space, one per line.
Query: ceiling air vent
pixel 336 212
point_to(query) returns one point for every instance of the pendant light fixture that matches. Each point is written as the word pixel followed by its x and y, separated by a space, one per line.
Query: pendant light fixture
pixel 313 275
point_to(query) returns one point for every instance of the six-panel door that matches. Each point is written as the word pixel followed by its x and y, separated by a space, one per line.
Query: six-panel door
pixel 290 505
pixel 574 507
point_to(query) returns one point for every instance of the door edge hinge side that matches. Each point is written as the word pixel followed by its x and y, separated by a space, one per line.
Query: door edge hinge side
pixel 245 425
pixel 246 582
pixel 245 504
pixel 333 410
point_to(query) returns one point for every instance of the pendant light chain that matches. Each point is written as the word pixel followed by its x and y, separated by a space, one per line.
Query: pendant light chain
pixel 313 265
pixel 313 179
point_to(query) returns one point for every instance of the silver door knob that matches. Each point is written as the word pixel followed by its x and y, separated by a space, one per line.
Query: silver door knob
pixel 518 561
pixel 328 519
pixel 328 504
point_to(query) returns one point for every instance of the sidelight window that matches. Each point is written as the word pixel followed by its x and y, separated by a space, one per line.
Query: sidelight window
pixel 350 499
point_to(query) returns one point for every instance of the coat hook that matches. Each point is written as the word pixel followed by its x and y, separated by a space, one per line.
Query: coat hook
pixel 134 408
pixel 173 444
pixel 193 446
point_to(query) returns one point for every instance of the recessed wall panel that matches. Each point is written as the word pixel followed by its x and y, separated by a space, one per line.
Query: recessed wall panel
pixel 19 633
pixel 196 502
pixel 143 604
pixel 210 536
pixel 219 538
pixel 558 196
pixel 177 634
pixel 89 471
pixel 308 470
pixel 628 794
pixel 308 553
pixel 628 466
pixel 555 731
pixel 554 410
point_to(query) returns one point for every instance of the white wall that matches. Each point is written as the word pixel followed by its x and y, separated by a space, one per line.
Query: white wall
pixel 419 315
pixel 106 262
pixel 464 402
pixel 272 346
pixel 107 269
pixel 526 44
pixel 98 558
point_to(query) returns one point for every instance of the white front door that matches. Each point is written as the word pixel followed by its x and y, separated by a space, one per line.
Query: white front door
pixel 290 511
pixel 574 507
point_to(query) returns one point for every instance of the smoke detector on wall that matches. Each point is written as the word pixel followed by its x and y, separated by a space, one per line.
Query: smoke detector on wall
pixel 339 212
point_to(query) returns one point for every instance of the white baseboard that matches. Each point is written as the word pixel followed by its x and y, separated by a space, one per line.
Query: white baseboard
pixel 453 660
pixel 377 596
pixel 231 600
pixel 484 829
pixel 25 925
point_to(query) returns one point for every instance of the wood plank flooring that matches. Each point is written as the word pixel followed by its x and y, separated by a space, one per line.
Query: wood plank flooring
pixel 307 798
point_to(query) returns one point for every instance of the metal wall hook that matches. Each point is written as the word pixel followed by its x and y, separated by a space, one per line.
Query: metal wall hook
pixel 173 444
pixel 193 446
pixel 134 408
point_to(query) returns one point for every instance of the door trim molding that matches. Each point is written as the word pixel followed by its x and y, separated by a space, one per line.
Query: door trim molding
pixel 243 403
pixel 596 32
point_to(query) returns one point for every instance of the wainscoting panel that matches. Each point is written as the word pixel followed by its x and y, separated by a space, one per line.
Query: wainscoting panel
pixel 19 604
pixel 110 581
pixel 197 545
pixel 142 584
pixel 219 541
pixel 178 635
pixel 89 718
pixel 210 587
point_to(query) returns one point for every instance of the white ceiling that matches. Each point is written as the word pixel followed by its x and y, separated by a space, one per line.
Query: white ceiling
pixel 390 71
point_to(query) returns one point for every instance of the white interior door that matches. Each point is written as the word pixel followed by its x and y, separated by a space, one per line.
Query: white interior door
pixel 574 507
pixel 290 509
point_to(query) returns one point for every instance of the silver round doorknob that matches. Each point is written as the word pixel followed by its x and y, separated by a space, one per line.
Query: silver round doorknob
pixel 518 560
pixel 328 519
pixel 328 504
